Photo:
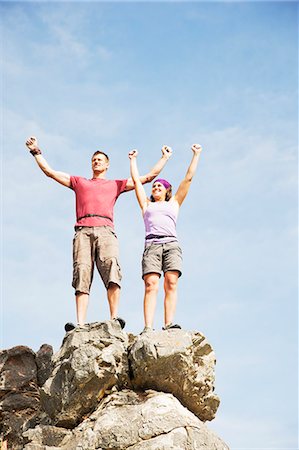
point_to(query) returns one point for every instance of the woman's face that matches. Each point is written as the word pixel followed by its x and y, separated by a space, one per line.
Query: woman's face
pixel 159 191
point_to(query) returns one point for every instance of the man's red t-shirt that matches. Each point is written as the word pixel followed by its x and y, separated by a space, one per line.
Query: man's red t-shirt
pixel 96 196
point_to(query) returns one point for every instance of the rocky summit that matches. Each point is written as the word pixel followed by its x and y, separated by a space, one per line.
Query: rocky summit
pixel 109 390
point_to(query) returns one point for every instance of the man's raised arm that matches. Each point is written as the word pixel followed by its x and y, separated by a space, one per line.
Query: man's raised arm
pixel 60 177
pixel 166 154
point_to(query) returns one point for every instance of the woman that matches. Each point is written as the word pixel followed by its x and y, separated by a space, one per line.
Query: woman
pixel 162 251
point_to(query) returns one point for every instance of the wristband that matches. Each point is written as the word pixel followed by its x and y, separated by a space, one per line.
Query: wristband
pixel 36 151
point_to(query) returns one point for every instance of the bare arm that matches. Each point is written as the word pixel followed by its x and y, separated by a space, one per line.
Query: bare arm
pixel 184 187
pixel 60 177
pixel 139 189
pixel 166 154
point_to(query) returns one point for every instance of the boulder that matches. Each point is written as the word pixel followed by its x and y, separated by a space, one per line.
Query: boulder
pixel 17 369
pixel 19 393
pixel 92 360
pixel 108 390
pixel 44 363
pixel 179 362
pixel 129 420
pixel 46 435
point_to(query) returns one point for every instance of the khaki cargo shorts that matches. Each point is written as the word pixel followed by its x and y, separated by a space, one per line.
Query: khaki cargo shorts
pixel 97 245
pixel 162 257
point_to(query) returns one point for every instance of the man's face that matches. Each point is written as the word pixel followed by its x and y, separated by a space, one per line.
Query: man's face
pixel 99 163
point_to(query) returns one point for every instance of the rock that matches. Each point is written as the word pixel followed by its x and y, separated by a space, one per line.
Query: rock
pixel 17 369
pixel 50 436
pixel 92 360
pixel 104 390
pixel 129 420
pixel 178 362
pixel 19 393
pixel 44 363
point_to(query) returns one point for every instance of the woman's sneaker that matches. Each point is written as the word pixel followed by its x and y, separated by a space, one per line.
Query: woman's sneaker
pixel 171 326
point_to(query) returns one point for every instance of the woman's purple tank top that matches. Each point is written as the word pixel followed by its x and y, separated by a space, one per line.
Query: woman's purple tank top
pixel 160 222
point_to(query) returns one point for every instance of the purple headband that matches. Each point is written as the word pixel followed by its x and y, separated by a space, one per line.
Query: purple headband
pixel 164 182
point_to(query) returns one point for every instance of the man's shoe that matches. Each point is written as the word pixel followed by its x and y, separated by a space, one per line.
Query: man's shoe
pixel 172 326
pixel 121 322
pixel 69 326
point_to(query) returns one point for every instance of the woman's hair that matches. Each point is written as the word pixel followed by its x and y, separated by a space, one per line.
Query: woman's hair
pixel 168 195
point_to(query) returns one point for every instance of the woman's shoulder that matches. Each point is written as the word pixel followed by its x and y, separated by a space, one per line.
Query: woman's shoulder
pixel 173 201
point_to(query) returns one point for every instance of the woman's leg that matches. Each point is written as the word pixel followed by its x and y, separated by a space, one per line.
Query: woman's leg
pixel 151 285
pixel 170 299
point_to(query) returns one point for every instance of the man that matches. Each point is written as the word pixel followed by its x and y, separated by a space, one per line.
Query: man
pixel 95 240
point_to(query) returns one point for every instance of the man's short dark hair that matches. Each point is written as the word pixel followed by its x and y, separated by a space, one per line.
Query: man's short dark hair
pixel 98 152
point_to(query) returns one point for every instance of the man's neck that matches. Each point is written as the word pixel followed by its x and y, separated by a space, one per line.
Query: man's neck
pixel 99 175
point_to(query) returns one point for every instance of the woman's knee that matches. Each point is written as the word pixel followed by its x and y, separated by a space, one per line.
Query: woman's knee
pixel 170 283
pixel 151 284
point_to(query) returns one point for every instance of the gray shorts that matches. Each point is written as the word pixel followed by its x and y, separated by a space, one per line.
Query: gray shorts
pixel 95 245
pixel 162 257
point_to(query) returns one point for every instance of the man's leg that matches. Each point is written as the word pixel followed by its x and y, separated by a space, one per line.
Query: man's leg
pixel 81 307
pixel 108 268
pixel 113 294
pixel 82 271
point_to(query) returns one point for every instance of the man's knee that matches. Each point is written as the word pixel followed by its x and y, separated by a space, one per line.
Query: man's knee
pixel 82 278
pixel 110 272
pixel 112 286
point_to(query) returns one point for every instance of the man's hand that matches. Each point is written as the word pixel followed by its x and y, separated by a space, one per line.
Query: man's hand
pixel 32 143
pixel 166 151
pixel 196 148
pixel 133 154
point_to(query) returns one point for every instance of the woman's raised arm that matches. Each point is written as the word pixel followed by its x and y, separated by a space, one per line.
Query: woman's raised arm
pixel 139 189
pixel 184 187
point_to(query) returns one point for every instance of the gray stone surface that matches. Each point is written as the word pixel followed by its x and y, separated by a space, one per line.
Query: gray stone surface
pixel 108 390
pixel 128 420
pixel 179 362
pixel 46 435
pixel 19 393
pixel 91 361
pixel 44 363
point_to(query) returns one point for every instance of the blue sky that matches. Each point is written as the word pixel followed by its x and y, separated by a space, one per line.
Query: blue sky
pixel 116 76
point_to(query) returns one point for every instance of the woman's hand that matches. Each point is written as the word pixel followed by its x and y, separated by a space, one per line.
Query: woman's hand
pixel 133 154
pixel 196 148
